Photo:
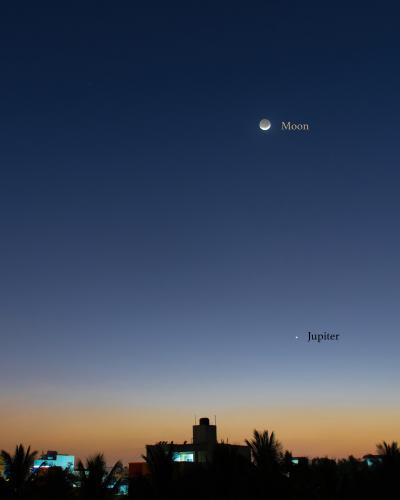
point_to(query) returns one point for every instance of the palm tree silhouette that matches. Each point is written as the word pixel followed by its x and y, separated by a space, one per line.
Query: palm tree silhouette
pixel 266 450
pixel 390 456
pixel 388 451
pixel 54 483
pixel 267 456
pixel 95 482
pixel 18 469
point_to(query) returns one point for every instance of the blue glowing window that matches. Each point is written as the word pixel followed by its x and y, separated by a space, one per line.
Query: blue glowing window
pixel 184 456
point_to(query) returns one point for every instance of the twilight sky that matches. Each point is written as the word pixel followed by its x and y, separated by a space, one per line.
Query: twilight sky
pixel 159 253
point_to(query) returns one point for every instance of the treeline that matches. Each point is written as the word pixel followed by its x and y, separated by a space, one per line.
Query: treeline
pixel 271 474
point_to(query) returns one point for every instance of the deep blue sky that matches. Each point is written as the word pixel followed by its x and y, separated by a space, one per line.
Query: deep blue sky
pixel 155 242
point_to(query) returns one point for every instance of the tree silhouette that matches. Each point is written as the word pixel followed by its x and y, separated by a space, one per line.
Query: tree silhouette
pixel 95 482
pixel 388 451
pixel 18 470
pixel 267 456
pixel 53 483
pixel 266 451
pixel 228 475
pixel 389 469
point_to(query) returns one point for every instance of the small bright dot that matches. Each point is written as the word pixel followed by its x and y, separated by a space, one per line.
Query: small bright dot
pixel 297 337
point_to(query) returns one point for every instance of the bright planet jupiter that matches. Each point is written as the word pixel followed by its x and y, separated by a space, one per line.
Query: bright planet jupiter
pixel 265 124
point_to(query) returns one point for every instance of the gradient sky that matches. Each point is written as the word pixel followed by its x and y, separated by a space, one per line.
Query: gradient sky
pixel 159 253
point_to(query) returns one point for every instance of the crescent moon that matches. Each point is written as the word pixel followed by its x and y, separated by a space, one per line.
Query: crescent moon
pixel 265 124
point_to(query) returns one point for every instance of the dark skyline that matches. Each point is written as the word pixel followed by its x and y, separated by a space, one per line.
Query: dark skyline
pixel 159 253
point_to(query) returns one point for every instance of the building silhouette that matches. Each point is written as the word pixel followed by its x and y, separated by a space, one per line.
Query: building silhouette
pixel 202 447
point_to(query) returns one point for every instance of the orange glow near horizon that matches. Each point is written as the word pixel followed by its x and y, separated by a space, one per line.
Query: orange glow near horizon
pixel 122 433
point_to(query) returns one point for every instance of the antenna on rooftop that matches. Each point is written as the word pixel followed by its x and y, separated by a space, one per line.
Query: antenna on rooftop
pixel 195 420
pixel 215 419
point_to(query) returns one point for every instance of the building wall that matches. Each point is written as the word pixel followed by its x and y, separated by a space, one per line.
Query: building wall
pixel 205 435
pixel 137 469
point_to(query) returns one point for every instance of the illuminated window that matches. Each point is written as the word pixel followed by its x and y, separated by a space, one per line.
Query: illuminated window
pixel 184 456
pixel 64 461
